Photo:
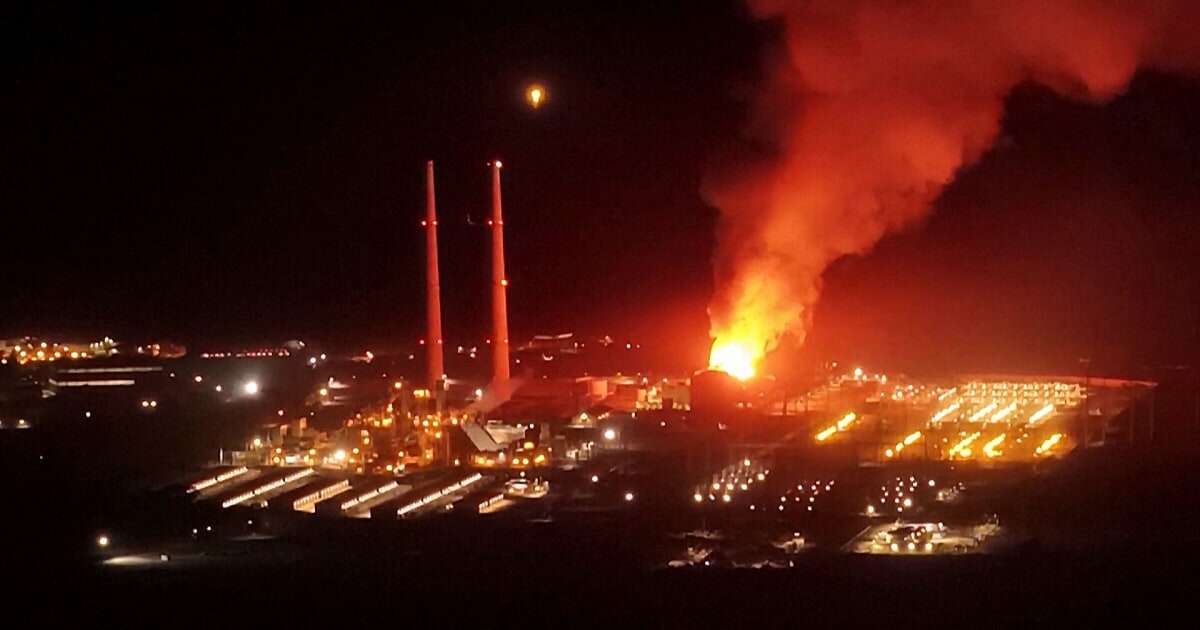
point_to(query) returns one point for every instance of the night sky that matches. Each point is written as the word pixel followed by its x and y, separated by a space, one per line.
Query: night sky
pixel 222 174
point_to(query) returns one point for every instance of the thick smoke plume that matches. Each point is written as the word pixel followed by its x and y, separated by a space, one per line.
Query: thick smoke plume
pixel 869 110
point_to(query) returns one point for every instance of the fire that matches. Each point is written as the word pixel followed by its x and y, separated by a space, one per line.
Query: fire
pixel 751 315
pixel 871 108
pixel 734 358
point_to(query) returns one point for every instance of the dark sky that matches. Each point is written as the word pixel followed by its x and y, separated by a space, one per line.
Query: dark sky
pixel 222 174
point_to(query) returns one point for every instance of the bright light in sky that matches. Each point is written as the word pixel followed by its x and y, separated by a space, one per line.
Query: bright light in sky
pixel 535 94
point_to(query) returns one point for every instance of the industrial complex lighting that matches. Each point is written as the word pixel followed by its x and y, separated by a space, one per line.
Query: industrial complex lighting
pixel 265 488
pixel 962 447
pixel 221 478
pixel 1003 413
pixel 978 415
pixel 1040 414
pixel 841 425
pixel 306 503
pixel 371 494
pixel 1049 444
pixel 434 496
pixel 939 416
pixel 990 449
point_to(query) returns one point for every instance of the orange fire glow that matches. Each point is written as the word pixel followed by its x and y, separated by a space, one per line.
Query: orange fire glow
pixel 733 357
pixel 869 110
pixel 749 319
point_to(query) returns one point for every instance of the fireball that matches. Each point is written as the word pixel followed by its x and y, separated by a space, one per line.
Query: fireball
pixel 733 357
pixel 749 316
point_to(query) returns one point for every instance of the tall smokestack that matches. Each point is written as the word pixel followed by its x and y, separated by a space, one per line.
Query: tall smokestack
pixel 433 290
pixel 500 373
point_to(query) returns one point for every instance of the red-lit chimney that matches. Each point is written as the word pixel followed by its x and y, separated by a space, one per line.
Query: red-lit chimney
pixel 500 373
pixel 433 291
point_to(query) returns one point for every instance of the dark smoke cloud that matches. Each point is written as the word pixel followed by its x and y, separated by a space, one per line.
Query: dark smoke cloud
pixel 869 110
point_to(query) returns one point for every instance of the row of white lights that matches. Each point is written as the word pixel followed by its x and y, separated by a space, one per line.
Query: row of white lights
pixel 212 481
pixel 367 496
pixel 490 502
pixel 320 495
pixel 265 488
pixel 434 496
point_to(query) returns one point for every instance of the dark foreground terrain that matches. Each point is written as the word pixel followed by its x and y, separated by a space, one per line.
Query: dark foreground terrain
pixel 1107 534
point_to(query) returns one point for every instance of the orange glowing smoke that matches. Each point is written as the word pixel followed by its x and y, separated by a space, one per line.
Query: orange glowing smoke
pixel 871 109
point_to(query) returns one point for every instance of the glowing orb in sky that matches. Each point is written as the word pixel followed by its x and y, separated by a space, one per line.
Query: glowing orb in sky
pixel 535 95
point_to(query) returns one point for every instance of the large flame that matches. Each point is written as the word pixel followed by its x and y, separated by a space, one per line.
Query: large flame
pixel 748 321
pixel 734 357
pixel 870 108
